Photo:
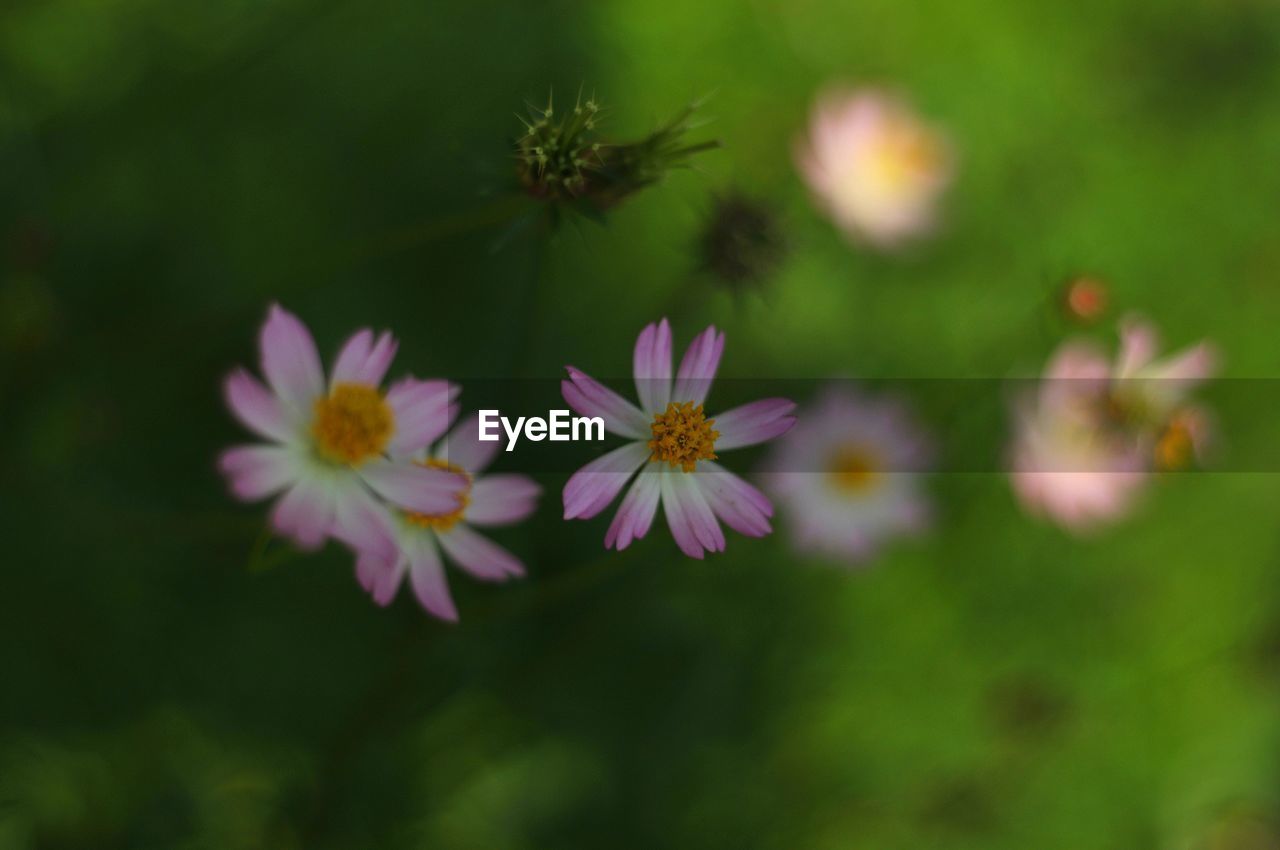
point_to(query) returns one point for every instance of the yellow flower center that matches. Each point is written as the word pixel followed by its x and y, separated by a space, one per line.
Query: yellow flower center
pixel 906 154
pixel 1175 449
pixel 353 424
pixel 443 522
pixel 682 436
pixel 854 470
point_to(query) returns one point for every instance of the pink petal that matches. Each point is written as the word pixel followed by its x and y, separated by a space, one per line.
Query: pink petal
pixel 362 361
pixel 754 423
pixel 502 499
pixel 256 408
pixel 290 361
pixel 426 574
pixel 479 555
pixel 416 488
pixel 742 507
pixel 255 472
pixel 692 523
pixel 1076 373
pixel 1138 343
pixel 463 448
pixel 305 513
pixel 1077 361
pixel 678 521
pixel 370 571
pixel 351 357
pixel 1196 364
pixel 635 516
pixel 698 367
pixel 380 578
pixel 652 366
pixel 365 525
pixel 423 411
pixel 367 567
pixel 592 398
pixel 812 170
pixel 594 486
pixel 701 517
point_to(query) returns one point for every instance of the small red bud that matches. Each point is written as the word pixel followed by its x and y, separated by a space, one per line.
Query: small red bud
pixel 1085 299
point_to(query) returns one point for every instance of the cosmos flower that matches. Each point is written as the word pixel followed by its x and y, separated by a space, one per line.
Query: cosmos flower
pixel 488 500
pixel 874 166
pixel 674 447
pixel 1090 434
pixel 848 475
pixel 329 445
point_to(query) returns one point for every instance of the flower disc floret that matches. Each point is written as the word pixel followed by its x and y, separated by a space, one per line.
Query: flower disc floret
pixel 854 469
pixel 682 436
pixel 352 424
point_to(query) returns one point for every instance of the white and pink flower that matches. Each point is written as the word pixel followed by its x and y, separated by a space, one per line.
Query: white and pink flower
pixel 1088 437
pixel 673 447
pixel 487 501
pixel 874 166
pixel 849 475
pixel 329 444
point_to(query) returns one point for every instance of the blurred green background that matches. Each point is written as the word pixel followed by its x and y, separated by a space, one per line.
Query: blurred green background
pixel 167 169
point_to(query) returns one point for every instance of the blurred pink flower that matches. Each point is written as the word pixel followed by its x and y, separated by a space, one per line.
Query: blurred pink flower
pixel 874 166
pixel 674 446
pixel 489 500
pixel 329 446
pixel 849 475
pixel 1086 440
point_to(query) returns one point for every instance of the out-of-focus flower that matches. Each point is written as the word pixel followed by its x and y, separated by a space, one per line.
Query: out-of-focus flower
pixel 848 475
pixel 1067 463
pixel 488 500
pixel 874 166
pixel 563 159
pixel 742 241
pixel 673 446
pixel 329 445
pixel 1088 437
pixel 1085 299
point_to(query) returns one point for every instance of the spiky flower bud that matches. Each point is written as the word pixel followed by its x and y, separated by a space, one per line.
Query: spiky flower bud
pixel 563 159
pixel 556 153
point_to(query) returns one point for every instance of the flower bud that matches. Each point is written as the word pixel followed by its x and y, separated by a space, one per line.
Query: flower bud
pixel 741 242
pixel 562 159
pixel 1085 299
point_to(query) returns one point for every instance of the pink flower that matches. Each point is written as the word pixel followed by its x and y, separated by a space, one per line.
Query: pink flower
pixel 676 445
pixel 489 500
pixel 849 475
pixel 329 445
pixel 1087 439
pixel 874 166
